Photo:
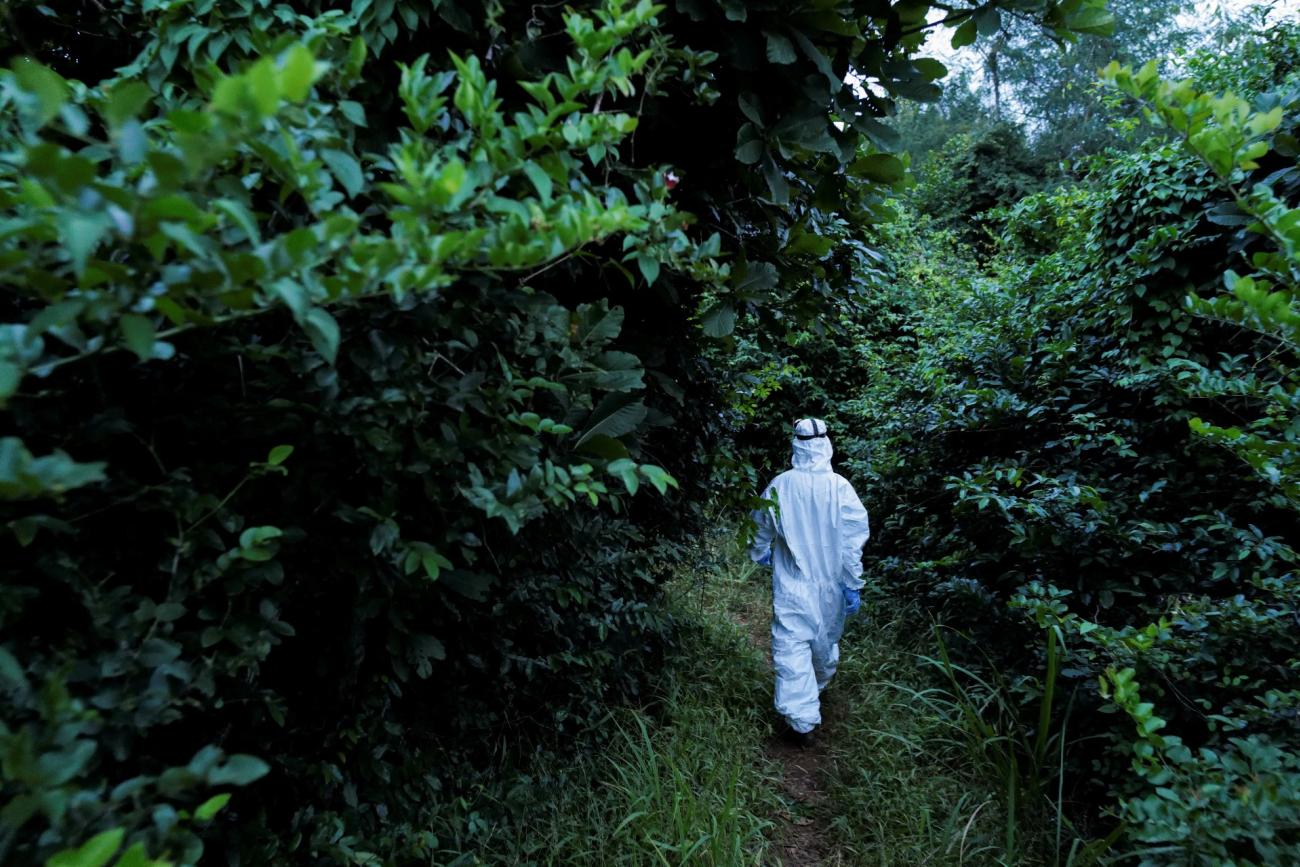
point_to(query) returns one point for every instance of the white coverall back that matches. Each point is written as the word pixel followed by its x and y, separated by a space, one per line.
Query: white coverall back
pixel 815 535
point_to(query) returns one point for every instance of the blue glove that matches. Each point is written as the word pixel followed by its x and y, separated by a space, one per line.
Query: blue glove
pixel 766 559
pixel 852 601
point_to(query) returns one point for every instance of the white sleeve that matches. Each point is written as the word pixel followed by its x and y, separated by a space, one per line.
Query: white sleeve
pixel 766 532
pixel 855 529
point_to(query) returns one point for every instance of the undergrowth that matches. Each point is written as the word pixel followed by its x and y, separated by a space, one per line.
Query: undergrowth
pixel 905 782
pixel 690 778
pixel 682 780
pixel 905 788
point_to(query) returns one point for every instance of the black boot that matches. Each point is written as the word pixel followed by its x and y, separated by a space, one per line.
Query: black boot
pixel 798 739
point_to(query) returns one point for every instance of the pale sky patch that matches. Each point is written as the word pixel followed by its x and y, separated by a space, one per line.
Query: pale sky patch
pixel 1202 17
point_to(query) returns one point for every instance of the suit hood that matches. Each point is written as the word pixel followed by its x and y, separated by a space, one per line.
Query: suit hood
pixel 811 445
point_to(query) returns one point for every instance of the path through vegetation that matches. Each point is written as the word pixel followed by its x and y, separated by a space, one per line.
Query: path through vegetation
pixel 799 837
pixel 699 775
pixel 886 780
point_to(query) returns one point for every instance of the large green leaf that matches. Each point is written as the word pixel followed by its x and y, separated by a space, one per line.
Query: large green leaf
pixel 777 185
pixel 346 169
pixel 603 446
pixel 616 415
pixel 719 320
pixel 596 324
pixel 82 234
pixel 613 371
pixel 138 335
pixel 965 34
pixel 988 20
pixel 752 279
pixel 819 59
pixel 779 48
pixel 238 770
pixel 95 852
pixel 24 476
pixel 49 88
pixel 882 168
pixel 1093 20
pixel 323 330
pixel 209 808
pixel 749 144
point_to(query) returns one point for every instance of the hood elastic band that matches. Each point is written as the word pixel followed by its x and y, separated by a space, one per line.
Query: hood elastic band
pixel 811 436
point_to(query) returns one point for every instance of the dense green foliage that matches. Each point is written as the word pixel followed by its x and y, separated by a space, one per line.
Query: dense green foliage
pixel 971 176
pixel 683 780
pixel 340 349
pixel 291 531
pixel 1080 448
pixel 364 372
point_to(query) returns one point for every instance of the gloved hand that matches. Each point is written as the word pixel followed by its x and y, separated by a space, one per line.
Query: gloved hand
pixel 852 601
pixel 766 559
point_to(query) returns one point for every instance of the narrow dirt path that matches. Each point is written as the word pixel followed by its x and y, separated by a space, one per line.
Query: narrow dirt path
pixel 800 839
pixel 885 782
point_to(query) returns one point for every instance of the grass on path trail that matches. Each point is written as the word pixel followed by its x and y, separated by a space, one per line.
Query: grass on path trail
pixel 701 778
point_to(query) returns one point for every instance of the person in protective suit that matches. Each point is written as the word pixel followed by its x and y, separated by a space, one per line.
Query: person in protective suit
pixel 813 540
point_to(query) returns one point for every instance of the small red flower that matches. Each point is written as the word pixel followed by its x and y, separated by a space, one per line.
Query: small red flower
pixel 671 179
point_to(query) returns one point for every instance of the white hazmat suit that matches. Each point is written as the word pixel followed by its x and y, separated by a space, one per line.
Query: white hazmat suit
pixel 814 536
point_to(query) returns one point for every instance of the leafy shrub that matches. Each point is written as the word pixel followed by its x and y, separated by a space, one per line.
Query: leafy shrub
pixel 1095 429
pixel 975 173
pixel 294 529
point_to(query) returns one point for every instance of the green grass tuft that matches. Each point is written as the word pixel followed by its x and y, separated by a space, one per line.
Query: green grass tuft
pixel 682 781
